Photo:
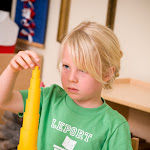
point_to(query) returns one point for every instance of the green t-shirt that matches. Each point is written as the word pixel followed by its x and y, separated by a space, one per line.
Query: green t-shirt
pixel 64 125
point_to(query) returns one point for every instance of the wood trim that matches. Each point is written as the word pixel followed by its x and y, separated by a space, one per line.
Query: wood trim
pixel 63 19
pixel 129 92
pixel 26 42
pixel 135 143
pixel 111 13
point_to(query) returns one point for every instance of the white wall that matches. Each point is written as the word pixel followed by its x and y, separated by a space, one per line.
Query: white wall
pixel 132 26
pixel 82 10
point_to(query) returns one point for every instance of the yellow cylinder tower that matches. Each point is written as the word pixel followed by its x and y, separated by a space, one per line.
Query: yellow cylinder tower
pixel 29 130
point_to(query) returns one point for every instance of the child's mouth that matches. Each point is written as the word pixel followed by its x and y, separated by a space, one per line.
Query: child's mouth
pixel 72 89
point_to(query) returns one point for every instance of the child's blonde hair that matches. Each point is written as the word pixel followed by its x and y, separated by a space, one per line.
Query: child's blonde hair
pixel 94 48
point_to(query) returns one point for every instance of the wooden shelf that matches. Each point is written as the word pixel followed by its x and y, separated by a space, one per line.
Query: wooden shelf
pixel 130 92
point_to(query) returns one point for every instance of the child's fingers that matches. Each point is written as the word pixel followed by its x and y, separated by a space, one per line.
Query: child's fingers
pixel 15 66
pixel 28 60
pixel 30 57
pixel 24 60
pixel 19 60
pixel 33 55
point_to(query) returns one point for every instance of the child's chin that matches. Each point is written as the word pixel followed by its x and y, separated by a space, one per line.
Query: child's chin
pixel 73 96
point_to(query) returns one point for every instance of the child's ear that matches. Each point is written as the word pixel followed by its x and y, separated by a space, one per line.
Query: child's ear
pixel 110 73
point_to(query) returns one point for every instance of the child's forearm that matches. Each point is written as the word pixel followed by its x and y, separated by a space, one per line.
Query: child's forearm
pixel 7 82
pixel 12 100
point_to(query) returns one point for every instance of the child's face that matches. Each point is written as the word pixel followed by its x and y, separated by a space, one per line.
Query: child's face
pixel 79 85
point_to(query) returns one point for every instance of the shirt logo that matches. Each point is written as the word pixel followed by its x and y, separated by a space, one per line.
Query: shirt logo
pixel 68 144
pixel 73 131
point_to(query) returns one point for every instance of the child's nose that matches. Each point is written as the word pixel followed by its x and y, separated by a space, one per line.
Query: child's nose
pixel 73 77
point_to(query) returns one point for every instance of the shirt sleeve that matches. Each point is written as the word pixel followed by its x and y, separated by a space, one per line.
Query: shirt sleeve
pixel 121 138
pixel 24 94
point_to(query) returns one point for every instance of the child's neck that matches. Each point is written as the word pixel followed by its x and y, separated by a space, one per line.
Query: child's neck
pixel 89 103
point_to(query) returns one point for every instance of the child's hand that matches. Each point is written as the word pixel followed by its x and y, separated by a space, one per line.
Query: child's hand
pixel 24 60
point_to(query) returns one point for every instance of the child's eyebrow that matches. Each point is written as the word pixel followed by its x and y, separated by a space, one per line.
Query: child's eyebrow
pixel 64 62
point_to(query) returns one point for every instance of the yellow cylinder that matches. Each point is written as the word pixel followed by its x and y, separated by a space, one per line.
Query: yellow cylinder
pixel 29 130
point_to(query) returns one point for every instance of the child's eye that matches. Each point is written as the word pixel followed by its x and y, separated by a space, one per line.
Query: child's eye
pixel 82 71
pixel 66 66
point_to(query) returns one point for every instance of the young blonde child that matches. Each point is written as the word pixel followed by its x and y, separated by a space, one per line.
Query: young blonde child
pixel 75 117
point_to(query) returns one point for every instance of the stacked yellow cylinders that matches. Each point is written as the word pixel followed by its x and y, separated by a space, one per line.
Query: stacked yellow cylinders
pixel 29 130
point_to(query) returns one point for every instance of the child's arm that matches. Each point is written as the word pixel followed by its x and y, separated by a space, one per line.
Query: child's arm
pixel 10 99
